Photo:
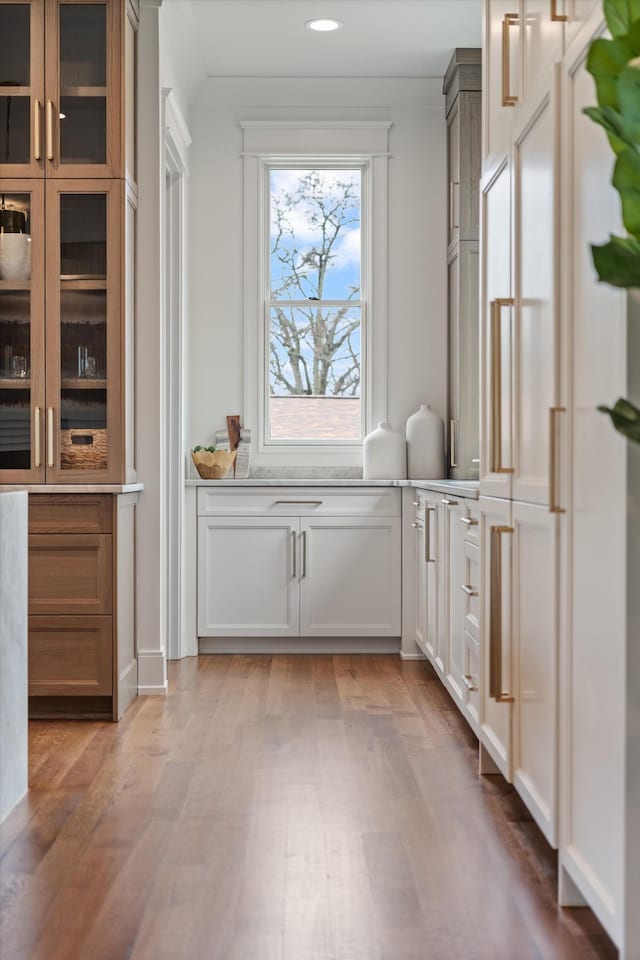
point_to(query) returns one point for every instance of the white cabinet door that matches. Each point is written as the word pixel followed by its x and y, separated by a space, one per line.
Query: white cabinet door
pixel 496 544
pixel 500 76
pixel 456 584
pixel 577 13
pixel 536 156
pixel 535 632
pixel 247 577
pixel 496 335
pixel 542 42
pixel 433 575
pixel 420 572
pixel 350 577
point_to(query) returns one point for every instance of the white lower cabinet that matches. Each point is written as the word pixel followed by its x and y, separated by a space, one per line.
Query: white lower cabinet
pixel 299 576
pixel 520 609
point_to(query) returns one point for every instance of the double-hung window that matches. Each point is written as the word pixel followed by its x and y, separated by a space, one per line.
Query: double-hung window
pixel 315 303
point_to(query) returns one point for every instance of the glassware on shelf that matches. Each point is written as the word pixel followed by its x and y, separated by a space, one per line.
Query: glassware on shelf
pixel 19 367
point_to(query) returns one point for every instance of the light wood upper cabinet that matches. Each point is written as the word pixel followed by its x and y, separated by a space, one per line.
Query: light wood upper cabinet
pixel 22 88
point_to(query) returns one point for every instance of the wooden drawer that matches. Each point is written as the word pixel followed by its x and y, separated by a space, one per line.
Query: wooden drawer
pixel 70 656
pixel 299 501
pixel 70 574
pixel 75 513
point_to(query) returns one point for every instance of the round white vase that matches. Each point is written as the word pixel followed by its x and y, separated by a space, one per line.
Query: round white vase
pixel 425 445
pixel 384 454
pixel 15 256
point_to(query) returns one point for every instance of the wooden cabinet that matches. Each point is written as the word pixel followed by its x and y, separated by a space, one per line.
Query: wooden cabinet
pixel 61 88
pixel 462 89
pixel 66 306
pixel 82 650
pixel 283 565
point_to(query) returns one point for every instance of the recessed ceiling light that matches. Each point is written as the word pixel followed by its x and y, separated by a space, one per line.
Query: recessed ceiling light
pixel 323 25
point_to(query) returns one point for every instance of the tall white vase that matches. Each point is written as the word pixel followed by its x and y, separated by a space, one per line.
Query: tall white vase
pixel 425 445
pixel 384 454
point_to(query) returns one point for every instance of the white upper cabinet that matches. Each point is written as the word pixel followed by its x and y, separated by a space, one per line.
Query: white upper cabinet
pixel 542 38
pixel 578 12
pixel 501 75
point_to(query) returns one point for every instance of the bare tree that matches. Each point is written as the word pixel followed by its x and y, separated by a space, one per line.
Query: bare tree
pixel 313 348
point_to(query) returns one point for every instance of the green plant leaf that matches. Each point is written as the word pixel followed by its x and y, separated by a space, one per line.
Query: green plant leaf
pixel 625 418
pixel 611 121
pixel 629 98
pixel 626 180
pixel 606 61
pixel 618 262
pixel 620 14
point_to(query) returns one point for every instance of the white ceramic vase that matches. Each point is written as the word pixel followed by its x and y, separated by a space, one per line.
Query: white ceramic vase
pixel 384 454
pixel 425 445
pixel 15 256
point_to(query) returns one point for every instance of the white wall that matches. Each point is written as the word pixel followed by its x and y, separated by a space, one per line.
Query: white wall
pixel 417 232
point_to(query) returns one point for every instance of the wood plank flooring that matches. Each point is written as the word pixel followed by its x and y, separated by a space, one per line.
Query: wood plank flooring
pixel 279 808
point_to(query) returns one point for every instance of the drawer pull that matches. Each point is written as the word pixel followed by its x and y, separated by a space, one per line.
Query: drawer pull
pixel 470 591
pixel 49 119
pixel 496 690
pixel 303 535
pixel 294 553
pixel 416 526
pixel 50 436
pixel 37 132
pixel 469 521
pixel 36 437
pixel 469 682
pixel 449 503
pixel 427 534
pixel 508 99
pixel 312 503
pixel 555 16
pixel 416 503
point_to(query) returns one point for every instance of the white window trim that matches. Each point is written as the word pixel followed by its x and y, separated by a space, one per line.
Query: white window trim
pixel 324 140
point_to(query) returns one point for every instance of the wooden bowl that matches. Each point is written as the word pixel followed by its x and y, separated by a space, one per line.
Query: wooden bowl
pixel 213 466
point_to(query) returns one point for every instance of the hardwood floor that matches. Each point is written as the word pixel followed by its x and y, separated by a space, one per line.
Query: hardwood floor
pixel 279 808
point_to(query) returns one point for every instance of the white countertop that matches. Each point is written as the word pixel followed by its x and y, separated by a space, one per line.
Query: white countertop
pixel 463 488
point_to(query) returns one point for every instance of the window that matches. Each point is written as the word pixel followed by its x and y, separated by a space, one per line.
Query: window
pixel 314 304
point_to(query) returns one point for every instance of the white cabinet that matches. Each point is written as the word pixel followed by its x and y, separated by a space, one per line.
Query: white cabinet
pixel 578 12
pixel 247 577
pixel 350 577
pixel 434 572
pixel 463 637
pixel 542 38
pixel 276 564
pixel 501 75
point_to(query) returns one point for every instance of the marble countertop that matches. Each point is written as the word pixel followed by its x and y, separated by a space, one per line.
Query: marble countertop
pixel 73 487
pixel 463 488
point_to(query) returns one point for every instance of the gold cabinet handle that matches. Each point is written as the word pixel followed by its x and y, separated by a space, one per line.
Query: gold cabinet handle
pixel 294 551
pixel 449 503
pixel 555 16
pixel 303 536
pixel 452 222
pixel 469 682
pixel 496 385
pixel 469 521
pixel 49 436
pixel 49 129
pixel 508 99
pixel 36 435
pixel 313 503
pixel 554 506
pixel 496 691
pixel 427 534
pixel 37 131
pixel 452 442
pixel 470 591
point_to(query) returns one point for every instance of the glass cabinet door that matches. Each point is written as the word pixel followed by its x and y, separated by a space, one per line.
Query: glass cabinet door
pixel 22 391
pixel 83 330
pixel 21 88
pixel 82 113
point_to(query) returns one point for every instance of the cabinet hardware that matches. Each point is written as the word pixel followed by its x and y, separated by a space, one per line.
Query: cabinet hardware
pixel 470 591
pixel 294 553
pixel 452 224
pixel 475 460
pixel 416 503
pixel 303 536
pixel 508 99
pixel 452 443
pixel 449 503
pixel 36 436
pixel 555 16
pixel 416 526
pixel 49 436
pixel 427 534
pixel 49 129
pixel 496 384
pixel 315 503
pixel 495 617
pixel 469 521
pixel 469 683
pixel 553 459
pixel 37 132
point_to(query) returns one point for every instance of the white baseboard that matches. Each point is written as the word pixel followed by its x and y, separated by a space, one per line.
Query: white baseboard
pixel 315 645
pixel 152 673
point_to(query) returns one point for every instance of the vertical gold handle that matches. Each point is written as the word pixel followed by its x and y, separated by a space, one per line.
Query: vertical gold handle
pixel 294 550
pixel 37 131
pixel 49 129
pixel 36 436
pixel 554 507
pixel 452 222
pixel 452 443
pixel 508 99
pixel 49 436
pixel 495 439
pixel 304 553
pixel 427 533
pixel 496 691
pixel 559 17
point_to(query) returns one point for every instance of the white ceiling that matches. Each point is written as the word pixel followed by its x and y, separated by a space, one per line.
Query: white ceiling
pixel 380 38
